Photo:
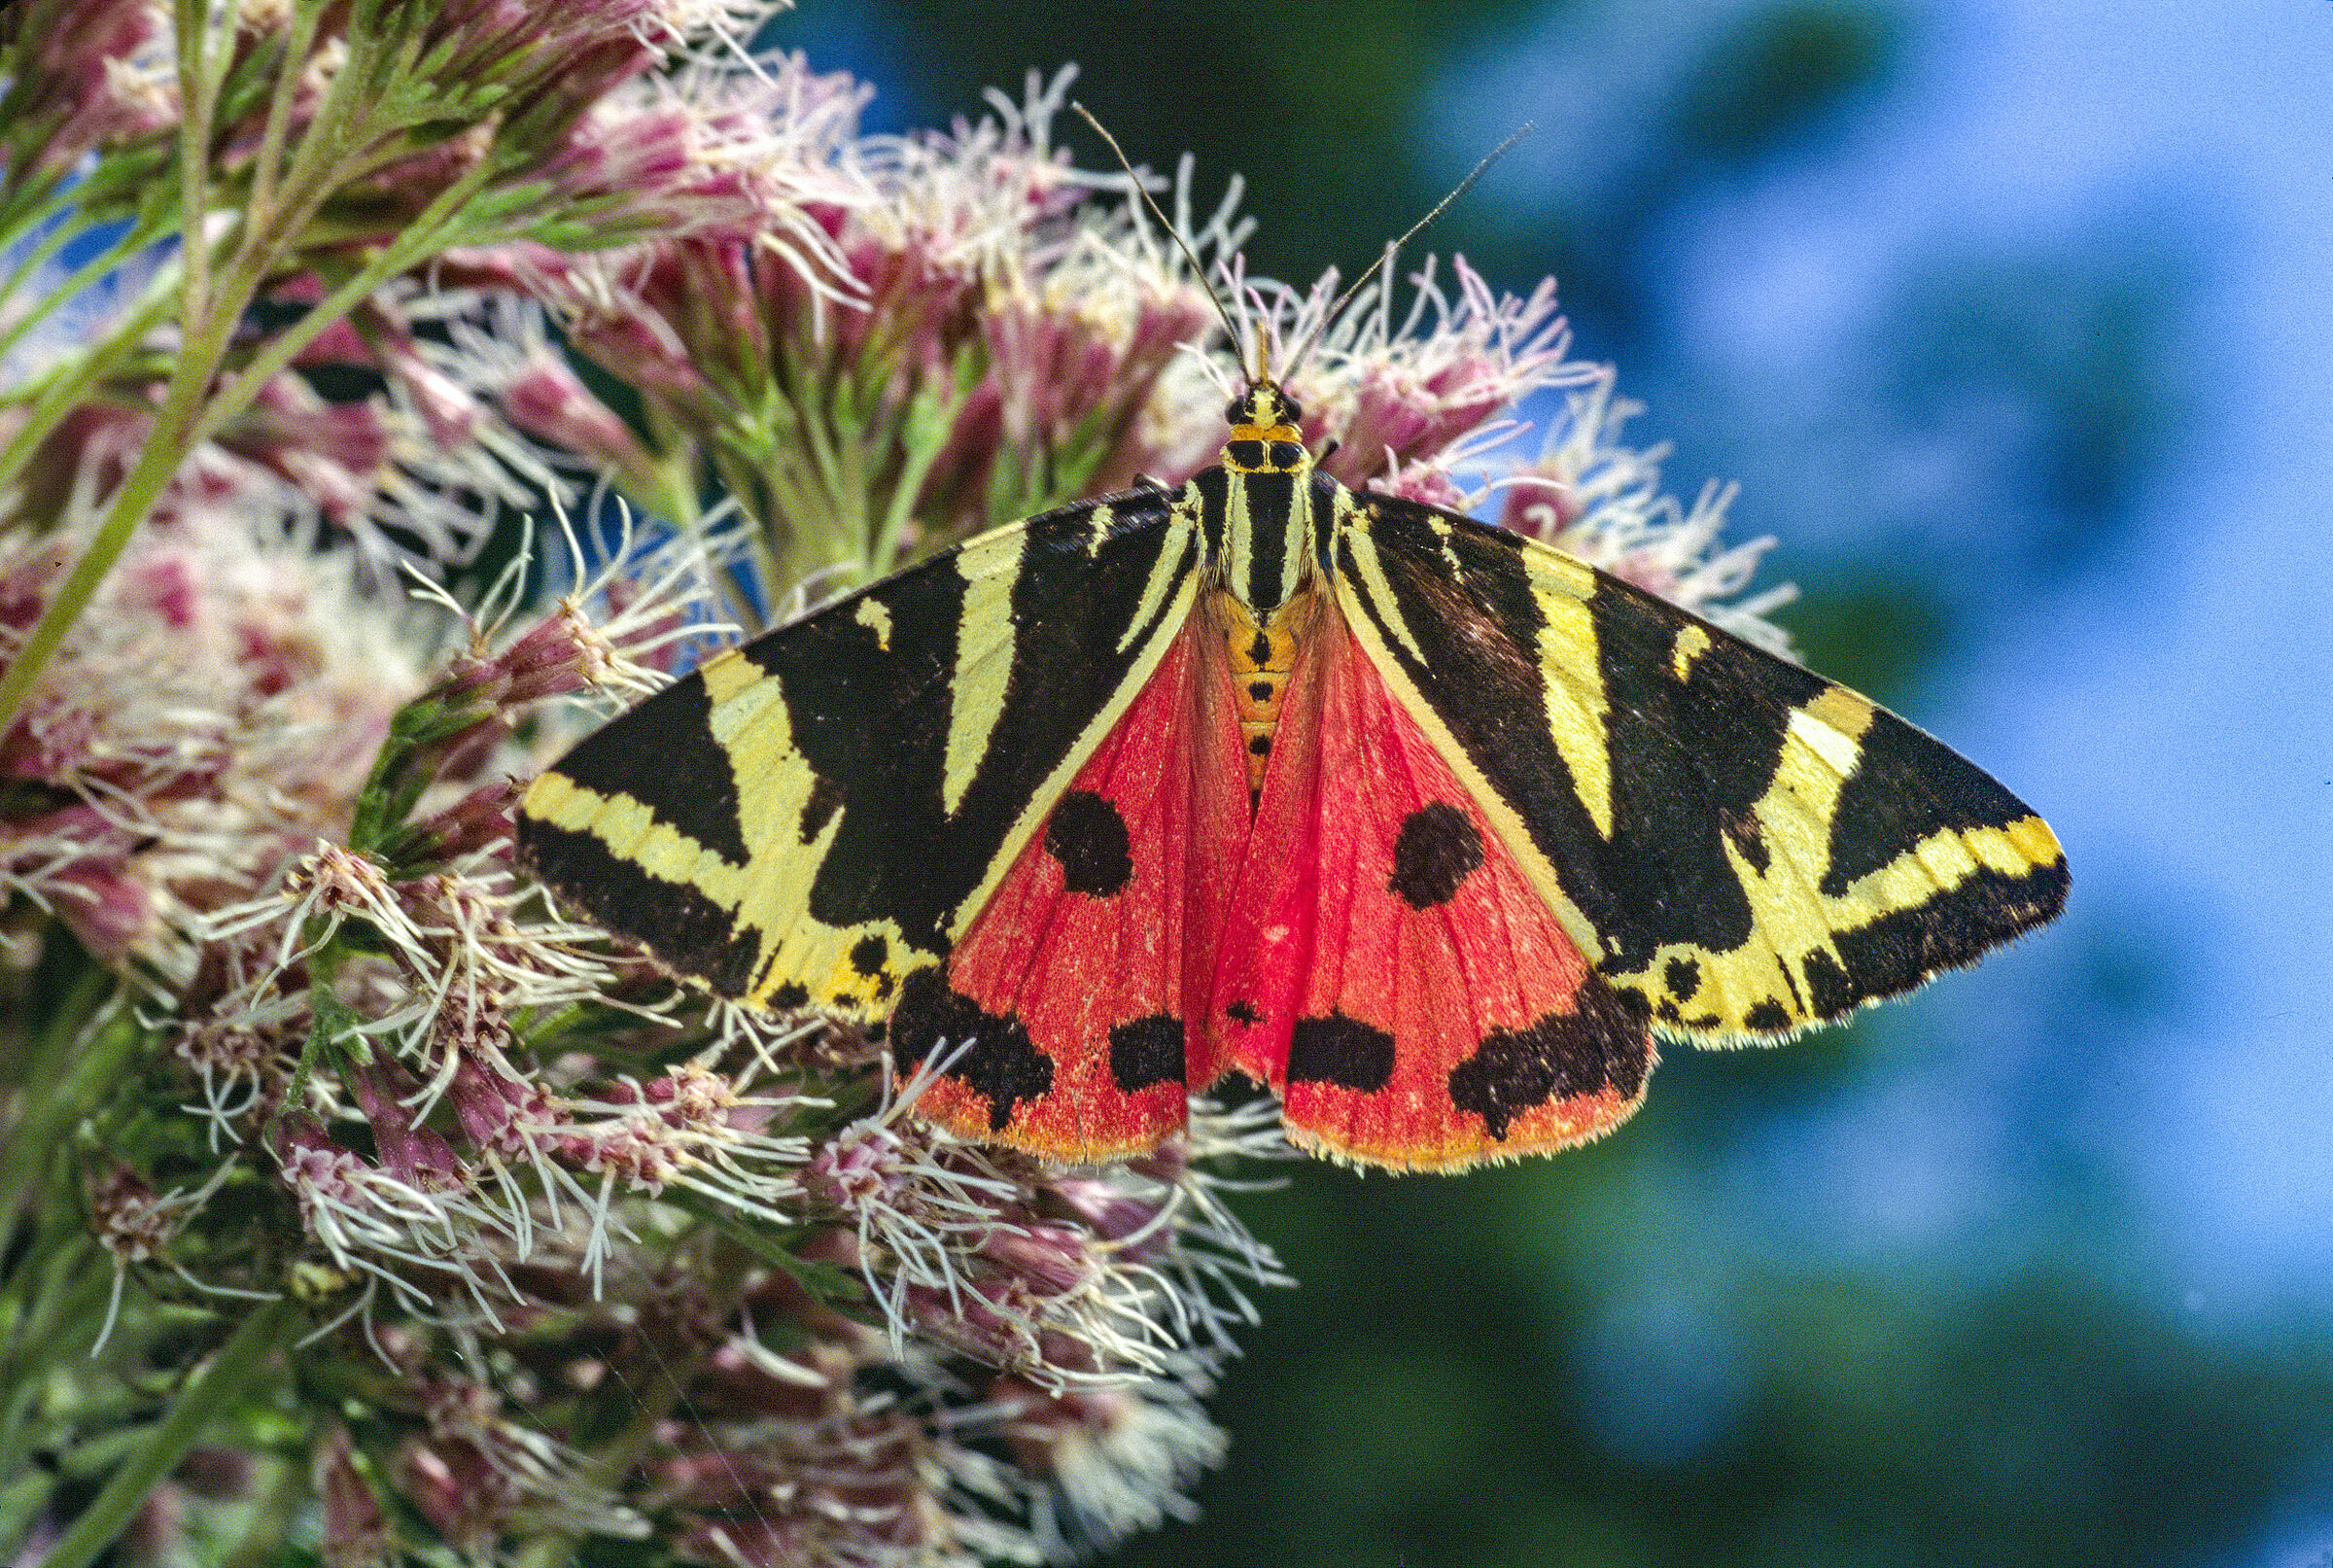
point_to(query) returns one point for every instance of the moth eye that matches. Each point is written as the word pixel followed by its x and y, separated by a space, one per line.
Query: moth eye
pixel 1236 412
pixel 1292 412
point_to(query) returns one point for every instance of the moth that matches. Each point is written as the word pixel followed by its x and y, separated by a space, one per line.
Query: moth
pixel 1426 825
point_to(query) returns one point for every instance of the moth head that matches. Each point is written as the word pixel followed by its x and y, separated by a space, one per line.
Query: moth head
pixel 1265 437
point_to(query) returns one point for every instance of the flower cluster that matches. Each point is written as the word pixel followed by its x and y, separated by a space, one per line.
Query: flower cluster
pixel 220 708
pixel 502 1237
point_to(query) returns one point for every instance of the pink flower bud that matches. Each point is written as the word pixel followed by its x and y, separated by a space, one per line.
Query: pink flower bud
pixel 478 819
pixel 416 1156
pixel 1112 1213
pixel 340 343
pixel 499 1114
pixel 1053 1260
pixel 547 399
pixel 107 908
pixel 449 413
pixel 558 656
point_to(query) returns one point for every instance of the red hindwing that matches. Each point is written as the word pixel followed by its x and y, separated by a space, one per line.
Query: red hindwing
pixel 1077 980
pixel 1386 966
pixel 1366 947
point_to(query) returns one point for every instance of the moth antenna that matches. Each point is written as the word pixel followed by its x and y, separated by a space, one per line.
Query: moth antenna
pixel 1198 270
pixel 1393 247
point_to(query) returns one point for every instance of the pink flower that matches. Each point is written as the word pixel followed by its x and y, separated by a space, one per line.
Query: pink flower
pixel 411 1152
pixel 546 399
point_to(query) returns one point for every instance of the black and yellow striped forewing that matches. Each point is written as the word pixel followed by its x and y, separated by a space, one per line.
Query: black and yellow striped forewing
pixel 809 818
pixel 1740 845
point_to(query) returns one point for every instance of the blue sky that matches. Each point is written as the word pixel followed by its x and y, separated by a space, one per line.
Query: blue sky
pixel 2169 707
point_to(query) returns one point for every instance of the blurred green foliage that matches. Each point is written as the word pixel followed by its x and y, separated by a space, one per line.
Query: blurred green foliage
pixel 1637 1354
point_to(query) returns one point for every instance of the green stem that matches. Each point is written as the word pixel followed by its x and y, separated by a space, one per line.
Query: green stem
pixel 231 1375
pixel 923 437
pixel 433 231
pixel 269 162
pixel 197 94
pixel 830 494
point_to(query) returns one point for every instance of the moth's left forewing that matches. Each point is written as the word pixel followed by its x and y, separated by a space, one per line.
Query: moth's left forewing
pixel 815 817
pixel 1748 847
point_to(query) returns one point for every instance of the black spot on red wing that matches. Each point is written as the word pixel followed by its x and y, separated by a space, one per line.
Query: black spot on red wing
pixel 868 952
pixel 1562 1056
pixel 1259 691
pixel 1767 1016
pixel 1342 1050
pixel 1684 978
pixel 1088 838
pixel 1000 1064
pixel 789 996
pixel 1260 744
pixel 1146 1051
pixel 826 796
pixel 1436 852
pixel 1243 1012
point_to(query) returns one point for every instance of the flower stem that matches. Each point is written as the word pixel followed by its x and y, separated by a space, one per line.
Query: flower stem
pixel 197 91
pixel 216 1387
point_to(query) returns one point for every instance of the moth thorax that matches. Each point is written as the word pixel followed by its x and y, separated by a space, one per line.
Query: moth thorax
pixel 1263 651
pixel 1267 531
